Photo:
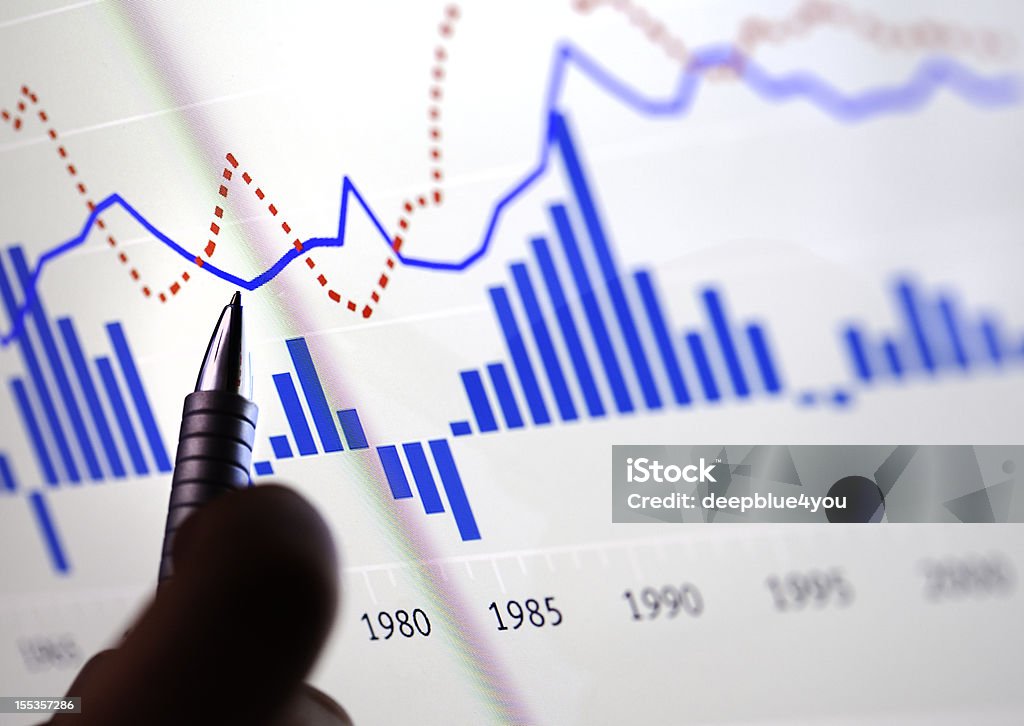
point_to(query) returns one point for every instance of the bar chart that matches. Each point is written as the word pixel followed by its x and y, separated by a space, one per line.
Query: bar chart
pixel 938 335
pixel 323 437
pixel 581 281
pixel 84 420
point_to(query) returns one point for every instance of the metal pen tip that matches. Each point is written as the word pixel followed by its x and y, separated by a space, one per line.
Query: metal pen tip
pixel 226 365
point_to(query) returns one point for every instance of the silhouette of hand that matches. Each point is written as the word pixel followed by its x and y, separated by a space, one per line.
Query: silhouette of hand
pixel 231 637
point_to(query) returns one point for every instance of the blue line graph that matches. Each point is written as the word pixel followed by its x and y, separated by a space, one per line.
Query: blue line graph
pixel 931 75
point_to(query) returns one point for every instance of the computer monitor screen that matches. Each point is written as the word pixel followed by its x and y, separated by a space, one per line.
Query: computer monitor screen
pixel 649 362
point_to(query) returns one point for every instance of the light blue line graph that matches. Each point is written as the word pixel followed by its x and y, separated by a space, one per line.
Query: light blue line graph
pixel 931 75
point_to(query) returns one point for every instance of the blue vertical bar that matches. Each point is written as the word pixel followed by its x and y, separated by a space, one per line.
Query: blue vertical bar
pixel 662 336
pixel 424 479
pixel 138 392
pixel 908 300
pixel 7 476
pixel 477 396
pixel 453 489
pixel 35 434
pixel 858 354
pixel 713 303
pixel 591 308
pixel 281 448
pixel 990 332
pixel 394 472
pixel 353 429
pixel 605 260
pixel 262 468
pixel 892 354
pixel 59 373
pixel 117 403
pixel 947 309
pixel 49 532
pixel 92 399
pixel 507 399
pixel 293 412
pixel 35 373
pixel 541 335
pixel 460 428
pixel 595 407
pixel 759 343
pixel 323 419
pixel 520 358
pixel 700 361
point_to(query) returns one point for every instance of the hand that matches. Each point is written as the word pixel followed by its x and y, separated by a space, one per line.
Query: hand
pixel 231 637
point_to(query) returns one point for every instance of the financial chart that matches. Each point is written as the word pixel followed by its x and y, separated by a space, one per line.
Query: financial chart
pixel 481 244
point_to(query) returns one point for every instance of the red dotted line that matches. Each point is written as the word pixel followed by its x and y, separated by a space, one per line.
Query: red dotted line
pixel 811 14
pixel 228 175
pixel 928 34
pixel 434 196
pixel 16 119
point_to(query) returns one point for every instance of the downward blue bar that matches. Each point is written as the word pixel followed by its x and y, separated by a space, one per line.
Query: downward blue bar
pixel 424 479
pixel 60 375
pixel 138 391
pixel 520 358
pixel 507 399
pixel 35 434
pixel 460 428
pixel 35 373
pixel 394 472
pixel 7 476
pixel 990 332
pixel 323 419
pixel 592 310
pixel 294 413
pixel 659 327
pixel 353 429
pixel 477 396
pixel 892 355
pixel 281 447
pixel 725 342
pixel 92 399
pixel 858 354
pixel 947 309
pixel 763 356
pixel 49 532
pixel 700 361
pixel 453 489
pixel 541 335
pixel 605 260
pixel 117 404
pixel 570 334
pixel 908 301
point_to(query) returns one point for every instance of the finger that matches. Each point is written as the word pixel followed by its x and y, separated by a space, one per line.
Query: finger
pixel 89 671
pixel 309 706
pixel 230 637
pixel 314 708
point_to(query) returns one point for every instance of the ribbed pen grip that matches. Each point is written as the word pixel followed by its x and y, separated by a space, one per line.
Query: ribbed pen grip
pixel 214 456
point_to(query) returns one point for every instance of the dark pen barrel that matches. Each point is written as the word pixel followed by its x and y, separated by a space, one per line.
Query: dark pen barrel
pixel 214 456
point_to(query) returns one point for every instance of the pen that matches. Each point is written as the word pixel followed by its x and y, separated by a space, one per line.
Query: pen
pixel 218 426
